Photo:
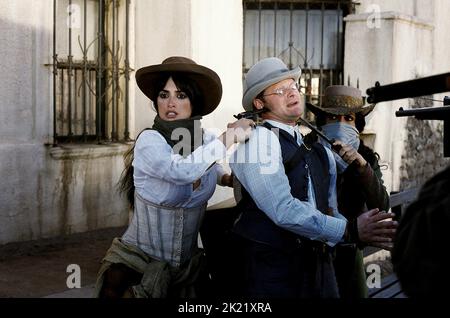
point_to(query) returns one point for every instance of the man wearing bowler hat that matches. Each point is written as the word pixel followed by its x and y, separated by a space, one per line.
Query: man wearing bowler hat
pixel 289 222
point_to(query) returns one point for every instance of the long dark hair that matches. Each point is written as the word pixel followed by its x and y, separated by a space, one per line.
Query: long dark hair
pixel 185 84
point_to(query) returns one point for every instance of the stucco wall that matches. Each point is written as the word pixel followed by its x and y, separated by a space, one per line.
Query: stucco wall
pixel 422 9
pixel 45 191
pixel 217 31
pixel 398 48
pixel 48 191
pixel 58 191
pixel 161 29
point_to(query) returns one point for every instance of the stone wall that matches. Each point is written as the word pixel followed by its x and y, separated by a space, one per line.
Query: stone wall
pixel 423 156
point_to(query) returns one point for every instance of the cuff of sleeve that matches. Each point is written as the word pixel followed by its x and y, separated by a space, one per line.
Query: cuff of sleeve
pixel 367 174
pixel 333 230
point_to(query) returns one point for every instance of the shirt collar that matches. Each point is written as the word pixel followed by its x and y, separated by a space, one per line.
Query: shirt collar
pixel 290 129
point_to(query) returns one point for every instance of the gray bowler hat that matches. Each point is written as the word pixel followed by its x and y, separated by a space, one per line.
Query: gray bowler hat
pixel 263 74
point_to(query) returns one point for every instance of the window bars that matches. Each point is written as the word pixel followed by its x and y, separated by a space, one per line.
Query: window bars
pixel 91 70
pixel 302 33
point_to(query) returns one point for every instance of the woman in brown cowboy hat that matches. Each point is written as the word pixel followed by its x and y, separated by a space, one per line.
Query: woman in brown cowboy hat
pixel 359 183
pixel 168 182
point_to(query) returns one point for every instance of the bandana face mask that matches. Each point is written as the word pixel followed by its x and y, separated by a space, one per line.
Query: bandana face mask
pixel 345 133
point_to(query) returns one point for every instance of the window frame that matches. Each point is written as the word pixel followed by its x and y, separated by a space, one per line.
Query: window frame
pixel 309 75
pixel 102 82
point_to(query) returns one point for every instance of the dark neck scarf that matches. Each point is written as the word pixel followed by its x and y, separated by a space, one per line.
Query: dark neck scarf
pixel 183 135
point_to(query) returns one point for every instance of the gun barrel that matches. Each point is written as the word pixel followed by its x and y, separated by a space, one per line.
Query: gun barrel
pixel 250 114
pixel 433 113
pixel 412 88
pixel 318 132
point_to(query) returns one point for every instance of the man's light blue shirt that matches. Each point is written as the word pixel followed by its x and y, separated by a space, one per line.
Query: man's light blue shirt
pixel 258 165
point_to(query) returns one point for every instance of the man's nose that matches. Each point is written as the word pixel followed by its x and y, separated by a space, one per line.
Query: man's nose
pixel 292 91
pixel 341 119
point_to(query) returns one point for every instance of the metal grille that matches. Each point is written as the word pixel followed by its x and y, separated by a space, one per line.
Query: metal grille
pixel 302 33
pixel 90 70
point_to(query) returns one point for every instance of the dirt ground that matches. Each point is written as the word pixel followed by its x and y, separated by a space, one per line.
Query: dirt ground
pixel 38 268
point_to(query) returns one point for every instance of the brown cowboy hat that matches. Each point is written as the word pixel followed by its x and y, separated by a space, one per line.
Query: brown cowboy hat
pixel 341 100
pixel 207 80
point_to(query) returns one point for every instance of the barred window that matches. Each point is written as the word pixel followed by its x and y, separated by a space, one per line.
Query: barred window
pixel 302 33
pixel 90 70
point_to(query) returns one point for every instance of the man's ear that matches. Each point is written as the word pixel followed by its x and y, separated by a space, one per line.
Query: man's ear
pixel 258 104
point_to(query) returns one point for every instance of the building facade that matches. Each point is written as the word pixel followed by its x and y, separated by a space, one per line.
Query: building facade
pixel 70 107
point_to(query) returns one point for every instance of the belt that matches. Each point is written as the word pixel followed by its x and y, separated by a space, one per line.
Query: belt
pixel 316 246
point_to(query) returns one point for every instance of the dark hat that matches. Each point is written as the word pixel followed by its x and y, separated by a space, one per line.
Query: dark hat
pixel 207 80
pixel 341 100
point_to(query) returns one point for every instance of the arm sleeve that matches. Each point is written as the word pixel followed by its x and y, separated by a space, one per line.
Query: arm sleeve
pixel 371 184
pixel 155 157
pixel 268 185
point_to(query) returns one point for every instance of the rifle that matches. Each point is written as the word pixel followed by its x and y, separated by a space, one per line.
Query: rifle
pixel 250 114
pixel 414 88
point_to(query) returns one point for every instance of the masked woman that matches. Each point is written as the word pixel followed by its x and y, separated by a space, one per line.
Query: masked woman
pixel 168 182
pixel 359 182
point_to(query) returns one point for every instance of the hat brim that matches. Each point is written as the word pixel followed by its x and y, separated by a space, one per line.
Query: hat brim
pixel 207 80
pixel 250 95
pixel 317 110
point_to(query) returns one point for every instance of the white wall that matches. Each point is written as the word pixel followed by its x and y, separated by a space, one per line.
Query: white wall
pixel 45 191
pixel 422 9
pixel 25 43
pixel 207 31
pixel 441 41
pixel 217 41
pixel 217 31
pixel 411 40
pixel 162 29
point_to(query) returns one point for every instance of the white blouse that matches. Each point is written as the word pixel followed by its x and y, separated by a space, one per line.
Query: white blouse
pixel 166 179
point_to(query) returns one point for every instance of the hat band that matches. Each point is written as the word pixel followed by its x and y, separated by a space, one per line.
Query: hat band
pixel 342 101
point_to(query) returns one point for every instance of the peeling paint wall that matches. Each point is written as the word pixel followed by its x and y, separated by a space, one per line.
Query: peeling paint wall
pixel 52 191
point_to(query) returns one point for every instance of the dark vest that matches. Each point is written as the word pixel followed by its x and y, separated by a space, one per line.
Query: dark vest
pixel 298 161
